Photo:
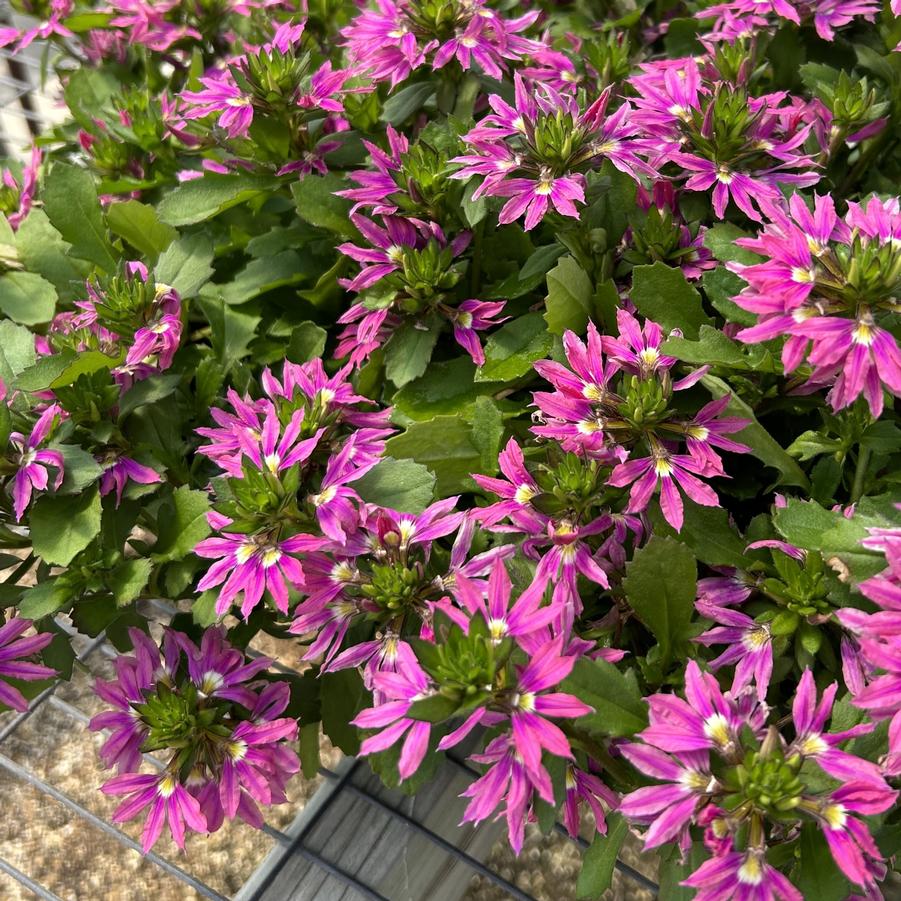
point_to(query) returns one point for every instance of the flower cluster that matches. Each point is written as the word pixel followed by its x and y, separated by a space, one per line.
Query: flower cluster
pixel 721 136
pixel 829 284
pixel 476 657
pixel 748 786
pixel 741 17
pixel 229 747
pixel 395 39
pixel 535 153
pixel 413 263
pixel 877 634
pixel 278 84
pixel 619 410
pixel 289 460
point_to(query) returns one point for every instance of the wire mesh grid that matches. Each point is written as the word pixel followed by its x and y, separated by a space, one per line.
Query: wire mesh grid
pixel 75 813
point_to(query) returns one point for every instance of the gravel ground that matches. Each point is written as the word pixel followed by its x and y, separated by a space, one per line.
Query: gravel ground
pixel 548 869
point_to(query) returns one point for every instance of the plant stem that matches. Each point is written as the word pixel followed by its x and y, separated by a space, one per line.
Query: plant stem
pixel 863 461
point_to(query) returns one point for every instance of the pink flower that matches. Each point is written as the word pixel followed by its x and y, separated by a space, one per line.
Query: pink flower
pixel 744 148
pixel 750 646
pixel 535 198
pixel 516 491
pixel 12 649
pixel 23 193
pixel 392 41
pixel 849 839
pixel 809 289
pixel 669 809
pixel 399 690
pixel 508 781
pixel 707 720
pixel 473 316
pixel 526 615
pixel 32 461
pixel 167 800
pixel 584 787
pixel 120 470
pixel 811 741
pixel 741 874
pixel 220 95
pixel 515 148
pixel 248 565
pixel 201 705
pixel 666 471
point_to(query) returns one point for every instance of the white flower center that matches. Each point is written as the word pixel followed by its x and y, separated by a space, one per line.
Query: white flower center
pixel 716 728
pixel 524 493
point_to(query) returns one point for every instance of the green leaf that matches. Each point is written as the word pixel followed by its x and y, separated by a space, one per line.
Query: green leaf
pixel 43 599
pixel 17 351
pixel 140 226
pixel 720 285
pixel 79 467
pixel 712 347
pixel 203 610
pixel 309 750
pixel 661 293
pixel 182 524
pixel 619 708
pixel 128 580
pixel 812 527
pixel 42 250
pixel 487 432
pixel 343 697
pixel 85 363
pixel 408 352
pixel 307 341
pixel 661 586
pixel 817 874
pixel 402 485
pixel 262 275
pixel 317 204
pixel 27 298
pixel 6 425
pixel 442 446
pixel 148 391
pixel 596 874
pixel 707 531
pixel 514 347
pixel 59 370
pixel 403 103
pixel 474 211
pixel 755 436
pixel 720 240
pixel 540 262
pixel 232 329
pixel 62 527
pixel 203 198
pixel 673 871
pixel 72 205
pixel 432 709
pixel 802 523
pixel 186 264
pixel 445 388
pixel 569 298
